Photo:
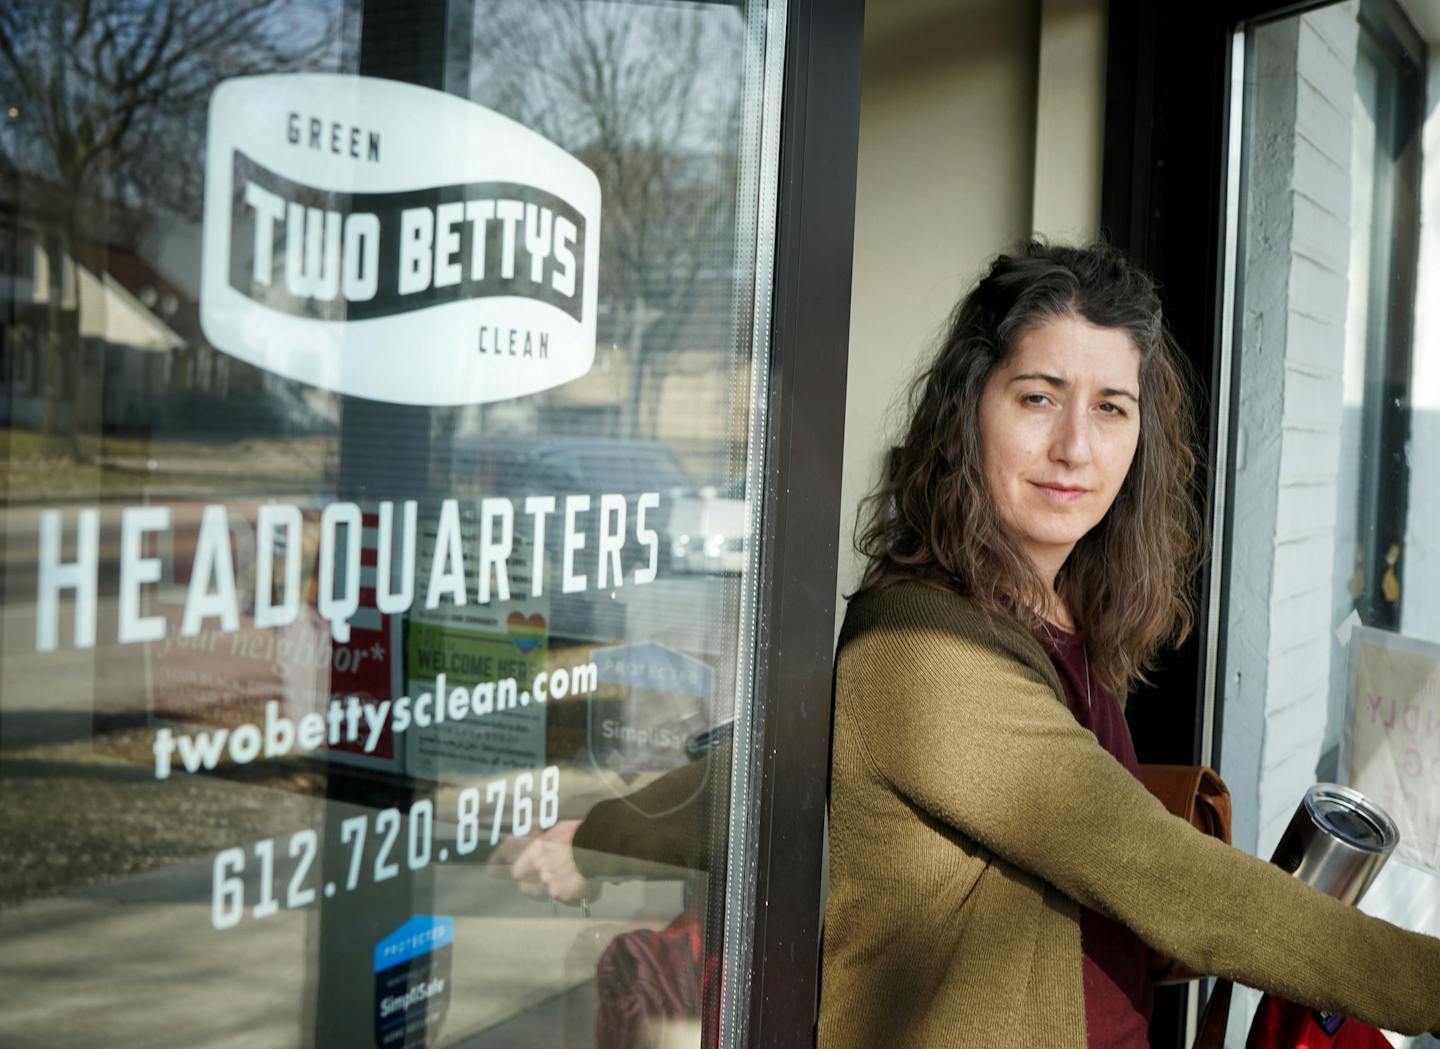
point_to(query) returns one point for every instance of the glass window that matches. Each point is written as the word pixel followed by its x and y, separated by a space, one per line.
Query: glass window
pixel 1331 632
pixel 379 414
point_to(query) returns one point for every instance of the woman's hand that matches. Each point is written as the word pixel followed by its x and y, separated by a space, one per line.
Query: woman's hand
pixel 546 865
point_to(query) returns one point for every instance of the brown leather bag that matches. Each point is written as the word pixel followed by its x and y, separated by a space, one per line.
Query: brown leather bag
pixel 1198 795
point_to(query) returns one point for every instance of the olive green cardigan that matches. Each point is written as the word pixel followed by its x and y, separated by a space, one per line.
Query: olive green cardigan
pixel 970 813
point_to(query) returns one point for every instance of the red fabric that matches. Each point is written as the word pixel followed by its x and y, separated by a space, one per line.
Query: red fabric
pixel 647 975
pixel 1279 1024
pixel 1118 993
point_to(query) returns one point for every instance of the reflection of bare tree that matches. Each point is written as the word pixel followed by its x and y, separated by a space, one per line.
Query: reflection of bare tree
pixel 108 102
pixel 649 98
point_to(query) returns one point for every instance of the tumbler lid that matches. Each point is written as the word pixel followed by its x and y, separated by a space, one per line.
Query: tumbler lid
pixel 1350 816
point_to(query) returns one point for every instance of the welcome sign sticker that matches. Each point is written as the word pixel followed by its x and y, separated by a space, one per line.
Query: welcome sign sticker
pixel 393 242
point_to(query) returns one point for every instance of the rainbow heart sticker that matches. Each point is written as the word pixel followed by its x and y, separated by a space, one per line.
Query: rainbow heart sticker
pixel 526 632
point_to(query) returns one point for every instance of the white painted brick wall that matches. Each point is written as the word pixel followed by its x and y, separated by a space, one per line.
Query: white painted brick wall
pixel 1297 237
pixel 1309 406
pixel 1304 503
pixel 1269 454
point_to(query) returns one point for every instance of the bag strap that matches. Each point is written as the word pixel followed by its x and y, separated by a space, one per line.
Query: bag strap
pixel 1211 1032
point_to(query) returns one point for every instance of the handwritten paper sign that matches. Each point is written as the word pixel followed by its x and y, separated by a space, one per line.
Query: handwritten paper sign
pixel 1391 746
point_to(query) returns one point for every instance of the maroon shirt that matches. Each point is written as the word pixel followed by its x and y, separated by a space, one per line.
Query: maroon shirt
pixel 1118 991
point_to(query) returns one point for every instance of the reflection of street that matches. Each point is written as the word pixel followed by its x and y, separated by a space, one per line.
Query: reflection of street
pixel 79 804
pixel 41 473
pixel 106 890
pixel 77 761
pixel 107 915
pixel 153 973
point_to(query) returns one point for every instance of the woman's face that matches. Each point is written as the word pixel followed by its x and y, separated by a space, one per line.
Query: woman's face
pixel 1059 423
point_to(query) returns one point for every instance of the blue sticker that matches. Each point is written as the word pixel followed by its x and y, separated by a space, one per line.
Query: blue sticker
pixel 412 982
pixel 420 935
pixel 648 664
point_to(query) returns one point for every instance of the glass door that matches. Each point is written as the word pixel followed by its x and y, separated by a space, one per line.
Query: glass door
pixel 383 417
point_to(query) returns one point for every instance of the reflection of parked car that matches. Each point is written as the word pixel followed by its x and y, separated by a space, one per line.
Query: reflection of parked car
pixel 516 465
pixel 709 530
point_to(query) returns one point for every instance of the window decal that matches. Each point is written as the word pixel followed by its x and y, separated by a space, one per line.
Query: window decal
pixel 395 243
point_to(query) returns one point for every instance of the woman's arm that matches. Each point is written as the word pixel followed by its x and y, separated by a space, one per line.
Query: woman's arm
pixel 972 733
pixel 655 832
pixel 666 822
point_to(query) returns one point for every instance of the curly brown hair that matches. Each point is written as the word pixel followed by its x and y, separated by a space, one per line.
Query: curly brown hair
pixel 1127 582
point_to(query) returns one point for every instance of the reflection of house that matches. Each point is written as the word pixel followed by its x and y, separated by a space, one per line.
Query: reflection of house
pixel 157 373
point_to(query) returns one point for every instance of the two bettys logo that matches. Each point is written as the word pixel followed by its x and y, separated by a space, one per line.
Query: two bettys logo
pixel 392 242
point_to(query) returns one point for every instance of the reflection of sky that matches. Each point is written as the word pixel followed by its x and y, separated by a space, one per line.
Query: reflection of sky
pixel 167 110
pixel 666 74
pixel 634 72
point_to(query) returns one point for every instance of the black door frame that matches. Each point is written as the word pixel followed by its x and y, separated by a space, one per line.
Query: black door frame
pixel 799 549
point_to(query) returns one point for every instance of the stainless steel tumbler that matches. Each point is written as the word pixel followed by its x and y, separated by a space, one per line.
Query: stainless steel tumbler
pixel 1337 841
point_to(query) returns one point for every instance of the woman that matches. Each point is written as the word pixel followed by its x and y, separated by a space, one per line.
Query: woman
pixel 997 867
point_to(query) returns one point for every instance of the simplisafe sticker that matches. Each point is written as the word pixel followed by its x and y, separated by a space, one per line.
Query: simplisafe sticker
pixel 412 982
pixel 392 242
pixel 668 701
